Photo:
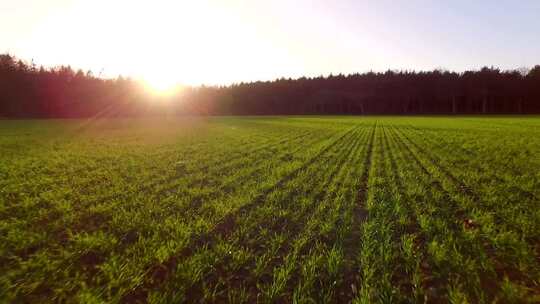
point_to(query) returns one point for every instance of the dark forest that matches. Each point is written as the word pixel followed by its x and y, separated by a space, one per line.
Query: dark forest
pixel 28 91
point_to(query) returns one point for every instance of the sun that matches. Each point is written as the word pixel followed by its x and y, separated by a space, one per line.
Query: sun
pixel 162 85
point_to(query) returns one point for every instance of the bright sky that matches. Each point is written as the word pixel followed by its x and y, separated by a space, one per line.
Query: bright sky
pixel 226 41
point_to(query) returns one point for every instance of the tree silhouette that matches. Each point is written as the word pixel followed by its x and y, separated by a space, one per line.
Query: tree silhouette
pixel 27 91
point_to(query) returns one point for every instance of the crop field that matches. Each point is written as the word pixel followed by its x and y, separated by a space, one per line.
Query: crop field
pixel 271 209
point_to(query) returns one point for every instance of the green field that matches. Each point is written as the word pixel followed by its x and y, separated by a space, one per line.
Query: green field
pixel 275 209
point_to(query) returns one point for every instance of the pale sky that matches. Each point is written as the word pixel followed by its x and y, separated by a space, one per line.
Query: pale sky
pixel 221 42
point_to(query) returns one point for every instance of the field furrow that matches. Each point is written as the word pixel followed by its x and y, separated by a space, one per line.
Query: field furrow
pixel 270 210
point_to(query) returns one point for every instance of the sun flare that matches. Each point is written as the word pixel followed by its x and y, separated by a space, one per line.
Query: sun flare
pixel 187 42
pixel 162 86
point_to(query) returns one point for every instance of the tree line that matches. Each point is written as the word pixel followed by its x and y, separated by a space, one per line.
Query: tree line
pixel 28 91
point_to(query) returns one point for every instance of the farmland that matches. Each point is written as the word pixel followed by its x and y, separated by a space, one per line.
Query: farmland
pixel 271 209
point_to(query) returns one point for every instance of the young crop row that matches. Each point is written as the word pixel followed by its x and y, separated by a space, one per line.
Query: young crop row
pixel 242 210
pixel 130 216
pixel 498 261
pixel 255 255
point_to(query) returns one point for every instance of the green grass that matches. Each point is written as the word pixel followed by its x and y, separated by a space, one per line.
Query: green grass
pixel 271 209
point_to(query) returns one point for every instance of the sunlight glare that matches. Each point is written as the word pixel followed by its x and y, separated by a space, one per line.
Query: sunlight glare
pixel 162 85
pixel 186 42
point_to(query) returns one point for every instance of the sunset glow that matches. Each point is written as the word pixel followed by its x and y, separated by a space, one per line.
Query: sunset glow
pixel 161 43
pixel 164 42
